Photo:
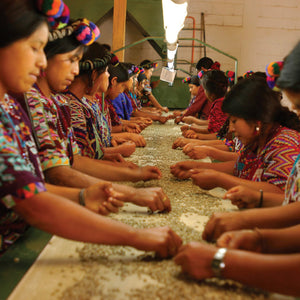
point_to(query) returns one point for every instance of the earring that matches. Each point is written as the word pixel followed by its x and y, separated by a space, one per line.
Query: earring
pixel 42 73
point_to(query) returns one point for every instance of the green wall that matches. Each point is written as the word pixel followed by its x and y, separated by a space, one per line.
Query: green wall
pixel 149 14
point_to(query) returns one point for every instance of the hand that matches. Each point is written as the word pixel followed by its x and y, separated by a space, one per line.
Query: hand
pixel 188 119
pixel 102 198
pixel 180 142
pixel 176 113
pixel 164 241
pixel 148 173
pixel 205 178
pixel 131 127
pixel 117 141
pixel 249 240
pixel 182 169
pixel 195 259
pixel 162 119
pixel 138 139
pixel 127 148
pixel 153 198
pixel 197 152
pixel 223 222
pixel 178 120
pixel 115 157
pixel 185 127
pixel 190 134
pixel 190 146
pixel 243 197
pixel 165 109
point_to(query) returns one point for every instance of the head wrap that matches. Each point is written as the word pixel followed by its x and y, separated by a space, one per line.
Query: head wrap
pixel 273 71
pixel 230 75
pixel 192 80
pixel 147 64
pixel 57 12
pixel 86 32
pixel 248 74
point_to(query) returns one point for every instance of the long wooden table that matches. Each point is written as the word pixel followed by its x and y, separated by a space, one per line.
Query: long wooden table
pixel 73 270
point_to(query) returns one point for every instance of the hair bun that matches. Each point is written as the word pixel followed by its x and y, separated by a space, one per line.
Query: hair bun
pixel 86 32
pixel 273 71
pixel 57 11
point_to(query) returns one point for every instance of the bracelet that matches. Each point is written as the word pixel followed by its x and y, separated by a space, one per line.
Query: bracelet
pixel 217 264
pixel 81 197
pixel 261 199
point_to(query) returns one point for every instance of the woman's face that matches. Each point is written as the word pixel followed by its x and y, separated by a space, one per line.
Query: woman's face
pixel 22 61
pixel 149 73
pixel 129 84
pixel 245 131
pixel 193 89
pixel 62 69
pixel 101 83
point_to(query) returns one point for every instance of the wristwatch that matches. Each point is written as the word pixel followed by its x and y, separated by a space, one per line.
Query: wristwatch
pixel 217 263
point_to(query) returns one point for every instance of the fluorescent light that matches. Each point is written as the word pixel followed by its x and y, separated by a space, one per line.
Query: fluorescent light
pixel 174 14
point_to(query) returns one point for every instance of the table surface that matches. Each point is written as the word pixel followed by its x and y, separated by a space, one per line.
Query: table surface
pixel 73 270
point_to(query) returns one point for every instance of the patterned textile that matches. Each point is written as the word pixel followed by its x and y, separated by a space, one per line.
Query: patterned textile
pixel 91 129
pixel 20 171
pixel 274 162
pixel 216 117
pixel 122 106
pixel 136 104
pixel 52 123
pixel 292 189
pixel 146 91
pixel 114 118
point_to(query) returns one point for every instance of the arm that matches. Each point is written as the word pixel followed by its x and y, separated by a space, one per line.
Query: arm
pixel 96 169
pixel 252 269
pixel 61 217
pixel 211 178
pixel 274 217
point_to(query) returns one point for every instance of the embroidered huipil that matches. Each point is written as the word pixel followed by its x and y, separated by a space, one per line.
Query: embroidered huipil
pixel 122 106
pixel 216 117
pixel 20 171
pixel 292 189
pixel 91 129
pixel 274 161
pixel 52 123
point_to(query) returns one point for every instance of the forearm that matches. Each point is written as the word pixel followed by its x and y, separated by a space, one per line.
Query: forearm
pixel 205 135
pixel 224 167
pixel 280 240
pixel 67 176
pixel 95 168
pixel 117 128
pixel 275 273
pixel 63 191
pixel 227 181
pixel 61 217
pixel 221 155
pixel 154 101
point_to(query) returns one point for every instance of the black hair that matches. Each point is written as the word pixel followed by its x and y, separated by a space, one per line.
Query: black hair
pixel 194 80
pixel 141 77
pixel 63 43
pixel 252 100
pixel 146 64
pixel 289 78
pixel 18 19
pixel 204 62
pixel 118 71
pixel 215 82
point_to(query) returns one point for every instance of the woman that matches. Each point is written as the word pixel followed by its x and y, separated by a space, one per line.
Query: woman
pixel 59 154
pixel 248 258
pixel 22 186
pixel 270 137
pixel 91 128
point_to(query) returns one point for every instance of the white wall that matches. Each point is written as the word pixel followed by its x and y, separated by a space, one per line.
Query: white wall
pixel 256 32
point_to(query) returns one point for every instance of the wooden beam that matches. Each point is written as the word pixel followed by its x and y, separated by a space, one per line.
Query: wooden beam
pixel 119 27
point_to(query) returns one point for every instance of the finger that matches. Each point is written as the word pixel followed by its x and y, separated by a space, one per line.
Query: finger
pixel 209 229
pixel 110 207
pixel 115 202
pixel 102 210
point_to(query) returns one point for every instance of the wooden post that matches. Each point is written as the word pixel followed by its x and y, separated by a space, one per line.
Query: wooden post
pixel 119 27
